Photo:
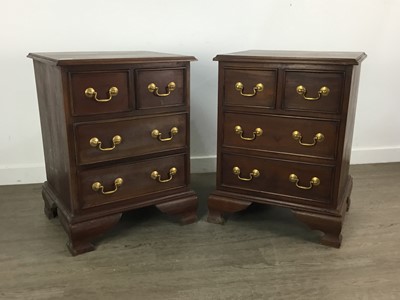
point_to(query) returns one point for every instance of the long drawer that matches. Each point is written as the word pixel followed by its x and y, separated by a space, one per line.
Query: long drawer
pixel 291 135
pixel 99 186
pixel 109 140
pixel 300 181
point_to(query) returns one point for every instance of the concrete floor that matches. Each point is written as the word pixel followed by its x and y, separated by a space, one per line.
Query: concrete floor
pixel 262 253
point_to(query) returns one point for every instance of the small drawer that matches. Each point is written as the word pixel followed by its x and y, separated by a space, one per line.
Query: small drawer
pixel 99 92
pixel 313 91
pixel 123 182
pixel 300 181
pixel 285 135
pixel 160 88
pixel 250 88
pixel 108 140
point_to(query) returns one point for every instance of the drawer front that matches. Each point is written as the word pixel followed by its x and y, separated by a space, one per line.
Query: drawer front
pixel 160 88
pixel 277 177
pixel 251 88
pixel 103 141
pixel 122 182
pixel 313 91
pixel 99 92
pixel 292 135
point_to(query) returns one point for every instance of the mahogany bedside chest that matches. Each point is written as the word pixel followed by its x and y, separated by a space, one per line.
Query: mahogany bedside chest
pixel 115 129
pixel 285 126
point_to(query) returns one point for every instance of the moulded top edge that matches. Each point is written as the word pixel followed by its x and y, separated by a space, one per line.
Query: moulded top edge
pixel 114 57
pixel 325 57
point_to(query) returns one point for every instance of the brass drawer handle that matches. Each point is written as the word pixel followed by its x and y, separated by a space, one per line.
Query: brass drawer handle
pixel 259 87
pixel 313 182
pixel 319 137
pixel 156 176
pixel 91 93
pixel 301 90
pixel 98 186
pixel 95 142
pixel 152 88
pixel 157 134
pixel 257 132
pixel 254 174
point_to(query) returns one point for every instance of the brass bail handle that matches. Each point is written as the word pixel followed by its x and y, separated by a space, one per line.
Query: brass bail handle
pixel 95 142
pixel 153 88
pixel 97 186
pixel 91 93
pixel 259 87
pixel 254 174
pixel 257 132
pixel 157 134
pixel 156 176
pixel 313 182
pixel 318 138
pixel 323 91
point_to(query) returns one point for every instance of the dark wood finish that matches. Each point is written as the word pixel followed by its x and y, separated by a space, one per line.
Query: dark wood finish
pixel 275 154
pixel 274 178
pixel 146 99
pixel 137 180
pixel 249 78
pixel 107 58
pixel 219 206
pixel 82 234
pixel 277 134
pixel 69 120
pixel 313 81
pixel 50 207
pixel 329 225
pixel 185 209
pixel 288 57
pixel 136 137
pixel 101 82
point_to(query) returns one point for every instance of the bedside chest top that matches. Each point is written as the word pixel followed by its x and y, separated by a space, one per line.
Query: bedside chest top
pixel 312 57
pixel 107 57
